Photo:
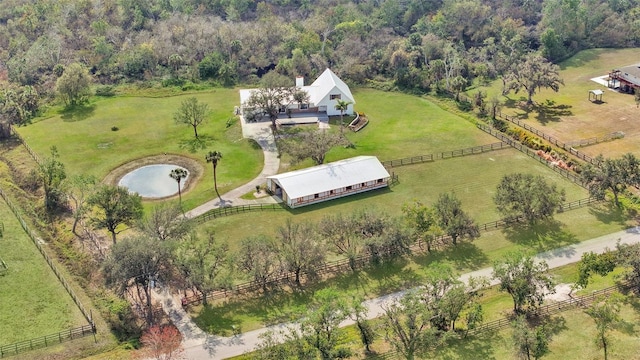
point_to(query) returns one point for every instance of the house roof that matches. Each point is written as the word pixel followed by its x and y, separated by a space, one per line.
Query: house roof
pixel 331 176
pixel 631 73
pixel 326 82
pixel 317 91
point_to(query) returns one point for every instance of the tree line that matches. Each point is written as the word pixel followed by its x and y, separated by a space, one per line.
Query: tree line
pixel 413 45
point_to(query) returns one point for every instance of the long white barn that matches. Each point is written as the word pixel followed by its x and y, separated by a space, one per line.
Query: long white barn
pixel 329 181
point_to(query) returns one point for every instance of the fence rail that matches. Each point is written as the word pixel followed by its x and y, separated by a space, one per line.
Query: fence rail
pixel 524 149
pixel 444 155
pixel 54 268
pixel 550 309
pixel 47 340
pixel 61 336
pixel 33 154
pixel 568 146
pixel 344 265
pixel 232 210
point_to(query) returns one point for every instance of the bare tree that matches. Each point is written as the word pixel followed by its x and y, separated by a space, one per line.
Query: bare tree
pixel 162 343
pixel 164 222
pixel 300 248
pixel 301 145
pixel 274 93
pixel 192 113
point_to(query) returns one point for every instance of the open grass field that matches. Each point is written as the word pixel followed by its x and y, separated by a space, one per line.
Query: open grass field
pixel 34 303
pixel 473 179
pixel 87 145
pixel 568 114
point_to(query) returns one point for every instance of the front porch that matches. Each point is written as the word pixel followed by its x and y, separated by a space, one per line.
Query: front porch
pixel 299 118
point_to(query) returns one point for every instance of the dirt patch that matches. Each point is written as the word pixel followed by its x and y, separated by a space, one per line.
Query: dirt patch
pixel 563 292
pixel 194 168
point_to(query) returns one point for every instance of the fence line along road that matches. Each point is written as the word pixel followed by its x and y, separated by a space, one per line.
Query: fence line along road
pixel 47 340
pixel 553 308
pixel 549 309
pixel 343 265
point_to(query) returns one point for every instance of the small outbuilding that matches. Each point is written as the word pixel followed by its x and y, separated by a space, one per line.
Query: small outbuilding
pixel 329 181
pixel 595 95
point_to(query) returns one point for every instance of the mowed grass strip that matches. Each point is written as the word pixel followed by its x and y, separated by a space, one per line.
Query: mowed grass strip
pixel 87 144
pixel 402 125
pixel 34 303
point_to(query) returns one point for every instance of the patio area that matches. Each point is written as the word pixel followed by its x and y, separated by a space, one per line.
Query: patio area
pixel 303 118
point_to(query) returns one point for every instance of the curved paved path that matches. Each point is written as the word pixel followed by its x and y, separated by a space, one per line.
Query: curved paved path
pixel 199 345
pixel 261 133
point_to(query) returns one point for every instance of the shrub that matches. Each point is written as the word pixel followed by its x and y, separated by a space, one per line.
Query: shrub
pixel 465 105
pixel 500 125
pixel 105 91
pixel 114 128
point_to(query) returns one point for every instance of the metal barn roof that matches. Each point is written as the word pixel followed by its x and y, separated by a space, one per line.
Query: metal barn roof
pixel 331 176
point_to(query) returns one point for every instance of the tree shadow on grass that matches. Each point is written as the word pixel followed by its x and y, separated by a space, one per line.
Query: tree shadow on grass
pixel 550 111
pixel 542 236
pixel 77 112
pixel 607 212
pixel 272 307
pixel 553 324
pixel 463 256
pixel 473 347
pixel 195 144
pixel 392 276
pixel 216 319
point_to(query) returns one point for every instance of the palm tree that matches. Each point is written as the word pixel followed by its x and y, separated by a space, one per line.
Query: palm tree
pixel 178 174
pixel 213 157
pixel 343 106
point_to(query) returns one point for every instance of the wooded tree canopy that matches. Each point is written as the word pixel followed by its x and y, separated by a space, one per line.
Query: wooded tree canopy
pixel 414 44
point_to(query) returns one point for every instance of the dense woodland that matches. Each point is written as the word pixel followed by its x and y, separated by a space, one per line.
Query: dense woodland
pixel 408 44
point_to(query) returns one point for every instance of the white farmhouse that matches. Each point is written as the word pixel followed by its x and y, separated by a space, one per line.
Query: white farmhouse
pixel 324 94
pixel 329 181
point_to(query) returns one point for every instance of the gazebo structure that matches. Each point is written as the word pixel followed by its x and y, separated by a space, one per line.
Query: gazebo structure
pixel 329 181
pixel 595 95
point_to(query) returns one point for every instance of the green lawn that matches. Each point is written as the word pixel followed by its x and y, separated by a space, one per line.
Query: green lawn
pixel 87 145
pixel 402 125
pixel 473 179
pixel 34 303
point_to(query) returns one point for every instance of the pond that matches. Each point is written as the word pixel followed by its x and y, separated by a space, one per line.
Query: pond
pixel 153 181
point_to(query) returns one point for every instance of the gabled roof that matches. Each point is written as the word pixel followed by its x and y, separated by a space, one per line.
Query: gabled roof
pixel 325 83
pixel 317 91
pixel 331 176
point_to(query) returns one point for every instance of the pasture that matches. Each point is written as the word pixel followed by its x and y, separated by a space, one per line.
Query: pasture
pixel 88 145
pixel 568 115
pixel 400 126
pixel 34 303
